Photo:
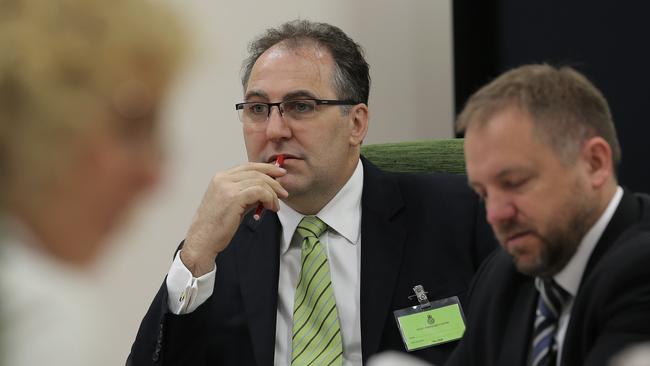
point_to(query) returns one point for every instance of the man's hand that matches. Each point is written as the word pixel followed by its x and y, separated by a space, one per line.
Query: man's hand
pixel 229 196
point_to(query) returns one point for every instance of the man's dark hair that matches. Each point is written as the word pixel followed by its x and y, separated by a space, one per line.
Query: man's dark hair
pixel 351 78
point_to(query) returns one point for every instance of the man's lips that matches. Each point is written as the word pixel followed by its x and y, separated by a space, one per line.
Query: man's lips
pixel 513 238
pixel 273 158
pixel 518 235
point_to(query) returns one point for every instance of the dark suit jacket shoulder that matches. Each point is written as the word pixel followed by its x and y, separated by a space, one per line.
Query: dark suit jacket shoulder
pixel 610 311
pixel 613 310
pixel 415 229
pixel 432 233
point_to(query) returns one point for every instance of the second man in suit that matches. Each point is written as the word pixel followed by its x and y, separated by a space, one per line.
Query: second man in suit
pixel 342 244
pixel 571 285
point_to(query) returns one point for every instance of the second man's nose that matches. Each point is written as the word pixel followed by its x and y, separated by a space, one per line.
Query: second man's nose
pixel 499 209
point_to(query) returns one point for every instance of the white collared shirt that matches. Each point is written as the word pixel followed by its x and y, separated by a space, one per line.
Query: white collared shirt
pixel 342 241
pixel 570 276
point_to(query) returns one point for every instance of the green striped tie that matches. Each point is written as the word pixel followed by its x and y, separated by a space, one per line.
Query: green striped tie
pixel 316 330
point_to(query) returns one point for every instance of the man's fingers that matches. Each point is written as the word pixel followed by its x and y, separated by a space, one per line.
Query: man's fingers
pixel 254 195
pixel 266 182
pixel 264 168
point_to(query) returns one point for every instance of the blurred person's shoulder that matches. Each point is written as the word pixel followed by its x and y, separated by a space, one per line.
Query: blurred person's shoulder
pixel 51 314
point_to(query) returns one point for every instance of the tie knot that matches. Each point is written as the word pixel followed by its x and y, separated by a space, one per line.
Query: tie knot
pixel 552 295
pixel 311 227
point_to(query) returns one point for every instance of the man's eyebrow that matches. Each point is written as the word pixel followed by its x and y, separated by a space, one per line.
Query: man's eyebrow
pixel 299 94
pixel 505 173
pixel 255 94
pixel 509 171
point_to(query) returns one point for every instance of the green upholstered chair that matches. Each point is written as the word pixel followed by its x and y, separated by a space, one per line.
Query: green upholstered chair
pixel 442 156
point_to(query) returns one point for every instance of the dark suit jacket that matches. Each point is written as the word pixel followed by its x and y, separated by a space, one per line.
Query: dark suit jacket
pixel 415 229
pixel 610 310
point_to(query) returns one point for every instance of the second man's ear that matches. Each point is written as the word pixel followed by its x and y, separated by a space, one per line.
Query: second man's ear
pixel 598 157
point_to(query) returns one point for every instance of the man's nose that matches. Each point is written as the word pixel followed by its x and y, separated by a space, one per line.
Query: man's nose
pixel 277 126
pixel 499 208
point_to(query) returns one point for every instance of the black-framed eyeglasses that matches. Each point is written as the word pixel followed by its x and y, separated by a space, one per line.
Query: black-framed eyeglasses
pixel 298 109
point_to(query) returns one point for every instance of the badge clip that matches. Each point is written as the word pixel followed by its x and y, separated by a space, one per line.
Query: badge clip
pixel 421 295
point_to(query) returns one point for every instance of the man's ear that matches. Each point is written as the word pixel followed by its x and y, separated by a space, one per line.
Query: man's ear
pixel 597 155
pixel 359 118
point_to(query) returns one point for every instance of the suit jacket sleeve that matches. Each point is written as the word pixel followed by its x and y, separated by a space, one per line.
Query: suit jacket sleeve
pixel 165 338
pixel 462 353
pixel 484 237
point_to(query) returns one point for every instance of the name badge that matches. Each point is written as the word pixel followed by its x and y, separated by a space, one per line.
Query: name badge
pixel 430 323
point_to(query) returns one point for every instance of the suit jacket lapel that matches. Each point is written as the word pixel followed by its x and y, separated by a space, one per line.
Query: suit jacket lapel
pixel 519 329
pixel 627 213
pixel 258 258
pixel 382 238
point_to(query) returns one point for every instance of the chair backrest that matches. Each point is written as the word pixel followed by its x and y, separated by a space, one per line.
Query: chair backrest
pixel 442 156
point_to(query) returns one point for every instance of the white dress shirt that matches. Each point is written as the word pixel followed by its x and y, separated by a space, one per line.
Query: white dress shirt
pixel 570 276
pixel 343 244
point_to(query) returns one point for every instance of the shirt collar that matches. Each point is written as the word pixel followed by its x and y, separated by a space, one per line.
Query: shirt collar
pixel 342 214
pixel 571 275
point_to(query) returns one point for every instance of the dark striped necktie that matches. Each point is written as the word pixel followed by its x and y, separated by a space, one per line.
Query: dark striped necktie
pixel 552 299
pixel 316 331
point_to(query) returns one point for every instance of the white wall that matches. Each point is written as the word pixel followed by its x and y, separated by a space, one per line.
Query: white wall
pixel 408 46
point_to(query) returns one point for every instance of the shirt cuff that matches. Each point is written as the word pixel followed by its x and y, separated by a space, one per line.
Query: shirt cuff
pixel 186 292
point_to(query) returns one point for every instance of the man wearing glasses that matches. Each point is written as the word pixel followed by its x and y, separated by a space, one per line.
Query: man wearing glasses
pixel 315 278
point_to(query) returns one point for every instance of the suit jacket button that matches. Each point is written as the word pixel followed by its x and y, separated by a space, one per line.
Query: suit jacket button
pixel 156 355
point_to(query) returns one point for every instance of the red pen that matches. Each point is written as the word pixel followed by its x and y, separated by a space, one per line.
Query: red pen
pixel 279 160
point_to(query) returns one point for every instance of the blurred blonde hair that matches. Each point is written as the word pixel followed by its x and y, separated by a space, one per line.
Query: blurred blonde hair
pixel 62 62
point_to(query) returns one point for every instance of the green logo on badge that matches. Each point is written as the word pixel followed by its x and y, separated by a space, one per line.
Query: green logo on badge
pixel 430 319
